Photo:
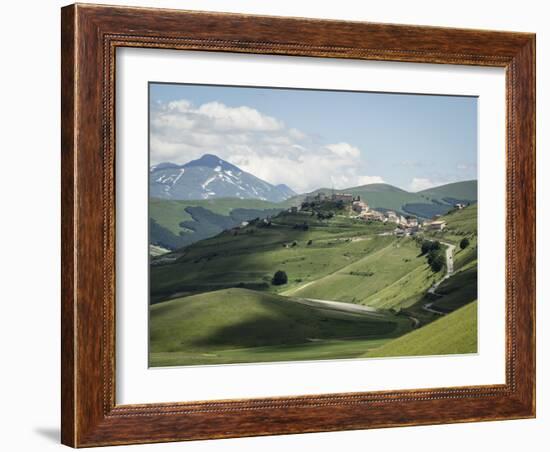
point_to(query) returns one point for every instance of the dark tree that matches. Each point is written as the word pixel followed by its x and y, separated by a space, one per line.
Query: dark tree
pixel 279 278
pixel 464 243
pixel 436 261
pixel 428 246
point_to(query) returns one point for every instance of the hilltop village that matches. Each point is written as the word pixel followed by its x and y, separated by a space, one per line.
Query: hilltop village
pixel 405 225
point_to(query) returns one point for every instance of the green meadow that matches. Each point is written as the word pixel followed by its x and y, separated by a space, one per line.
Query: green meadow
pixel 455 333
pixel 241 325
pixel 353 290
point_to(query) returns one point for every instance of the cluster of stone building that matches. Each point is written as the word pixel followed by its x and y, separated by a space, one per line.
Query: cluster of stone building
pixel 334 197
pixel 405 225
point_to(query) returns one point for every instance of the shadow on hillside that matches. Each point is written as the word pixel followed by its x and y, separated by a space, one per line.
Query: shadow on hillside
pixel 204 253
pixel 293 326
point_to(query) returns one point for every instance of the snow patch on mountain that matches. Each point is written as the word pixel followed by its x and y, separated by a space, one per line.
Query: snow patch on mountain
pixel 211 177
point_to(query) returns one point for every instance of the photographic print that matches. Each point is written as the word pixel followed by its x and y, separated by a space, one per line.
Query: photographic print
pixel 297 225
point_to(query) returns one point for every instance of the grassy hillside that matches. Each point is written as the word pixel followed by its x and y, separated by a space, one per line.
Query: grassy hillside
pixel 340 259
pixel 214 301
pixel 425 204
pixel 459 191
pixel 454 333
pixel 378 196
pixel 460 224
pixel 174 224
pixel 249 257
pixel 171 213
pixel 439 200
pixel 391 266
pixel 405 291
pixel 239 325
pixel 458 290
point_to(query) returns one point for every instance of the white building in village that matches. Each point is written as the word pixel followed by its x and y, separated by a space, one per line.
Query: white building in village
pixel 360 207
pixel 436 225
pixel 373 215
pixel 412 221
pixel 392 216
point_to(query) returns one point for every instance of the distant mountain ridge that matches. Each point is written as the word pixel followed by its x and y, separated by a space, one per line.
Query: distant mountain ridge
pixel 464 190
pixel 211 177
pixel 424 204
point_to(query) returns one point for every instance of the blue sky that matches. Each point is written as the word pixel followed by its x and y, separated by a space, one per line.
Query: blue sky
pixel 310 138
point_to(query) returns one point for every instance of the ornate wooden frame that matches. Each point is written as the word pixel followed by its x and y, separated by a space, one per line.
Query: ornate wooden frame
pixel 90 35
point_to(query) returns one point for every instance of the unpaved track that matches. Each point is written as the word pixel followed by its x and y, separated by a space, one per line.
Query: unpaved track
pixel 450 270
pixel 340 306
pixel 350 308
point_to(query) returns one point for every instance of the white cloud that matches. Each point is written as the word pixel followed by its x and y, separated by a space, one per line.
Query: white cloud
pixel 466 166
pixel 421 183
pixel 257 143
pixel 181 105
pixel 365 180
pixel 215 115
pixel 344 150
pixel 296 134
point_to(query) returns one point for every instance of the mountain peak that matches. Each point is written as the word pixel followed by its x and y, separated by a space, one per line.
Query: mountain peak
pixel 211 161
pixel 211 177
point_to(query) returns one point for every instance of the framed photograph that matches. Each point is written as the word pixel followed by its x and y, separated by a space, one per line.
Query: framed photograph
pixel 282 225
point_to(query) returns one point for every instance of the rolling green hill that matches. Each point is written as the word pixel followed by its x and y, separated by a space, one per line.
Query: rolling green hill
pixel 424 204
pixel 460 224
pixel 214 302
pixel 174 224
pixel 239 325
pixel 248 257
pixel 454 333
pixel 366 278
pixel 340 259
pixel 458 290
pixel 455 192
pixel 378 196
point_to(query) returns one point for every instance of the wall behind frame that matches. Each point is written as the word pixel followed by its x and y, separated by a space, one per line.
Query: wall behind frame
pixel 30 225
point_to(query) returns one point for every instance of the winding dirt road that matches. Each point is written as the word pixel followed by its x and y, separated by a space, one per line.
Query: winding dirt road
pixel 350 308
pixel 340 306
pixel 450 270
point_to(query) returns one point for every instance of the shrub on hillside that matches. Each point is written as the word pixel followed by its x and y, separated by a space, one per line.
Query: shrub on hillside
pixel 436 260
pixel 464 243
pixel 425 247
pixel 429 245
pixel 279 278
pixel 304 226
